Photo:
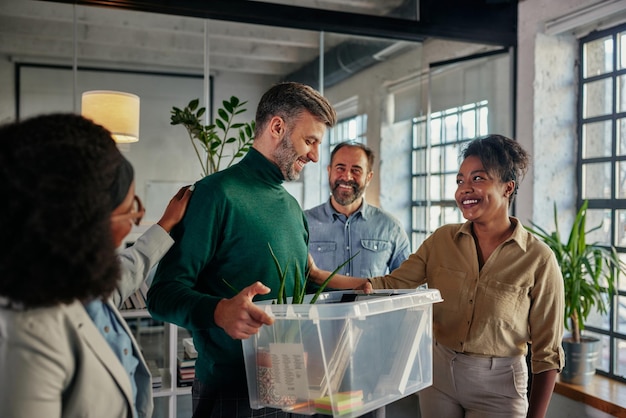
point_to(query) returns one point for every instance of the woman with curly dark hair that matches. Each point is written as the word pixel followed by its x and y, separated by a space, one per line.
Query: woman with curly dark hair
pixel 68 203
pixel 502 292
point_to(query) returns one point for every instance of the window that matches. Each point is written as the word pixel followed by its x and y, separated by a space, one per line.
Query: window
pixel 435 162
pixel 349 129
pixel 602 174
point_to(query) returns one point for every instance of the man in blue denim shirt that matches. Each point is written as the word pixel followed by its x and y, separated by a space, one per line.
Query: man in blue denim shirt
pixel 346 224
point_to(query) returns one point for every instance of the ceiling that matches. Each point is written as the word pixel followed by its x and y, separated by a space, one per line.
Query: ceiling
pixel 51 32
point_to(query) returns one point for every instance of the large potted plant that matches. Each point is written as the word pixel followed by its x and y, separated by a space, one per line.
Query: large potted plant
pixel 590 272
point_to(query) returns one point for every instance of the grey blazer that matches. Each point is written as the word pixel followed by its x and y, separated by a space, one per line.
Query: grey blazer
pixel 55 363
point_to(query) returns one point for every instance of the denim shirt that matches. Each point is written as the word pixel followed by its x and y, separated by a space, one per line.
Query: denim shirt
pixel 379 238
pixel 117 338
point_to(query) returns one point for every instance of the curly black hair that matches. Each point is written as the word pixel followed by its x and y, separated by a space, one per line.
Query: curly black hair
pixel 501 156
pixel 56 173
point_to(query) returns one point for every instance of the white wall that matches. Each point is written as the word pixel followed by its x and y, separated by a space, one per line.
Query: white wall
pixel 546 111
pixel 163 158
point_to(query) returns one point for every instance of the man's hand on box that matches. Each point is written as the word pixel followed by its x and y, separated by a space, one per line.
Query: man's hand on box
pixel 239 316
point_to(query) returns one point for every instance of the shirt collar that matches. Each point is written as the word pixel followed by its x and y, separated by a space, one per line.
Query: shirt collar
pixel 519 235
pixel 331 213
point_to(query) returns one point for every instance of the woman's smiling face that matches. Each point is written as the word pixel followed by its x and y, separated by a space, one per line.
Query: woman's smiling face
pixel 479 195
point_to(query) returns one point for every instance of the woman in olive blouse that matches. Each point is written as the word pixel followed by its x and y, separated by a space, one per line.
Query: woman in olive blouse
pixel 502 290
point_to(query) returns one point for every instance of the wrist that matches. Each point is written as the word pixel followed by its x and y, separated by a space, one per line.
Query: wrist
pixel 167 227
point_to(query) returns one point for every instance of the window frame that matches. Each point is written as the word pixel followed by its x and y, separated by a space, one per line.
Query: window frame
pixel 612 203
pixel 424 124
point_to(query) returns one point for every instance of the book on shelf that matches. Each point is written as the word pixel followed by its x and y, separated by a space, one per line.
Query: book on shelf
pixel 186 374
pixel 186 362
pixel 181 383
pixel 138 299
pixel 190 349
pixel 134 301
pixel 186 367
pixel 157 378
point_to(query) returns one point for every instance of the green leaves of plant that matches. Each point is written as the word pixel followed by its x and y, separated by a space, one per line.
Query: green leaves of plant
pixel 282 297
pixel 299 290
pixel 213 138
pixel 590 271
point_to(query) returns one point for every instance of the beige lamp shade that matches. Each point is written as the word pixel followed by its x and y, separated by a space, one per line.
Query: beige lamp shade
pixel 115 110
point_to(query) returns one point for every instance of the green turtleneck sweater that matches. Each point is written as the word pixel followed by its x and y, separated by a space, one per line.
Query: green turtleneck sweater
pixel 231 218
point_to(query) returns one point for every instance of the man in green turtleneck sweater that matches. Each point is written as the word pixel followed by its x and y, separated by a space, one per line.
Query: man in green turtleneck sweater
pixel 232 217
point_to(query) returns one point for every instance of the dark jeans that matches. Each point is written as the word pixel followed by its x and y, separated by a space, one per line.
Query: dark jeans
pixel 209 402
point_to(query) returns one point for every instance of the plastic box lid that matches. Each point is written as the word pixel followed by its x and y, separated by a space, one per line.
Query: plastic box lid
pixel 333 305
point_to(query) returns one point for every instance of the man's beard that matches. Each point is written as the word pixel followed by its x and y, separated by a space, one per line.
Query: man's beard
pixel 344 198
pixel 285 157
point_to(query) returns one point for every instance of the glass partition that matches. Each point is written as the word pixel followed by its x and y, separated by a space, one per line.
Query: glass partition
pixel 379 87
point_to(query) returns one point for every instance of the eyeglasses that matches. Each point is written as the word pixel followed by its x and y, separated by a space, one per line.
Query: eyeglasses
pixel 134 215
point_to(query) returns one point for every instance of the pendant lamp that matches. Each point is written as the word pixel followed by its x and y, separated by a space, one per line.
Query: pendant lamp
pixel 116 111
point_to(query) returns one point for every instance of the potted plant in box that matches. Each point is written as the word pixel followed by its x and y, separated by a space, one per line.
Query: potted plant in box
pixel 283 332
pixel 590 272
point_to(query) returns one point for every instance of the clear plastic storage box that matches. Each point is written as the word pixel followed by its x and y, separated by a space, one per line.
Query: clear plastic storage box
pixel 345 355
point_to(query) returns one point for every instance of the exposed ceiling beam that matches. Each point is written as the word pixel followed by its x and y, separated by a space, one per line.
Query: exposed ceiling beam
pixel 460 20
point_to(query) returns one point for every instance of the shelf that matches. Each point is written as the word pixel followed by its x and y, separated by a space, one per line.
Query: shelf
pixel 602 393
pixel 135 313
pixel 161 342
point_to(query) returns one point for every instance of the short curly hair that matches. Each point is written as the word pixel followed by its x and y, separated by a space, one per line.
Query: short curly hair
pixel 56 173
pixel 501 156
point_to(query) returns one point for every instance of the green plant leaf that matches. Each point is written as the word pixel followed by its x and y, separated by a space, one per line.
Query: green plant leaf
pixel 296 299
pixel 281 275
pixel 231 287
pixel 323 285
pixel 590 271
pixel 223 115
pixel 208 138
